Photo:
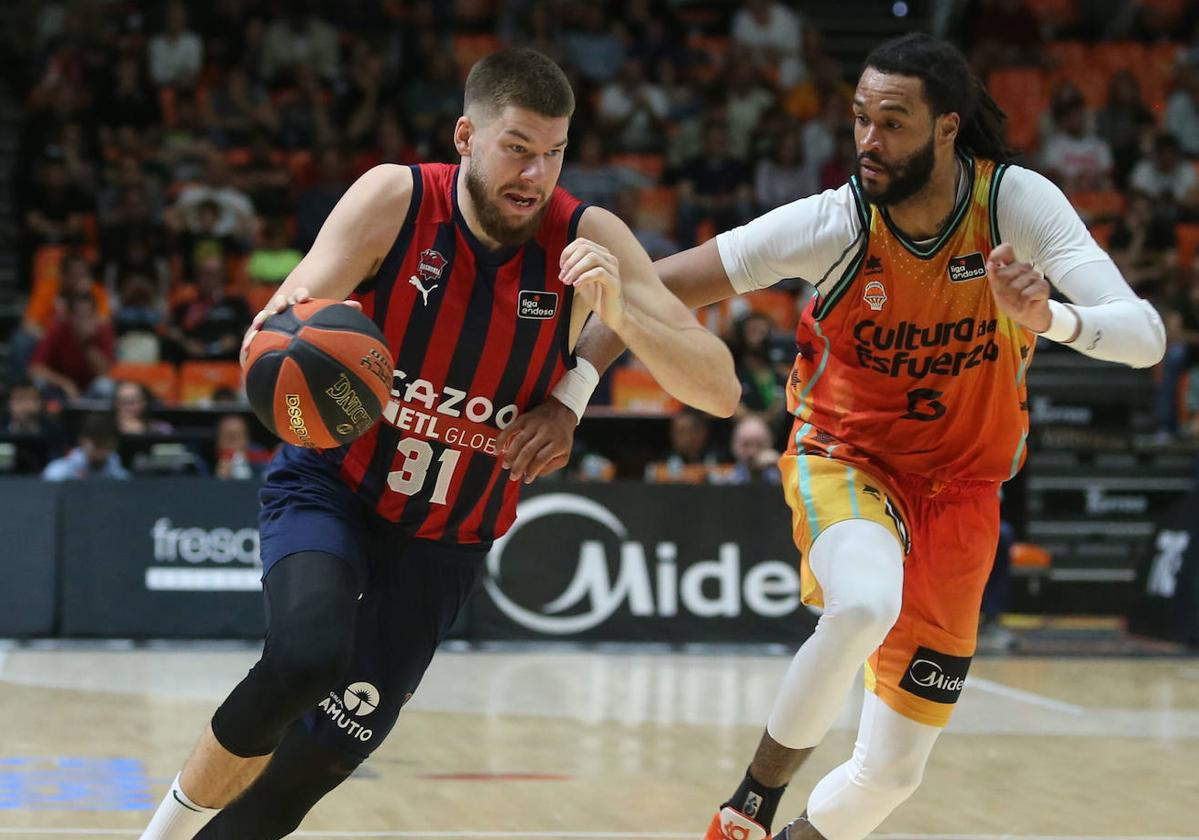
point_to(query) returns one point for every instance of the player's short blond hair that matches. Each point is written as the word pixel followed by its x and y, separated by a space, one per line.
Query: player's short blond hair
pixel 522 77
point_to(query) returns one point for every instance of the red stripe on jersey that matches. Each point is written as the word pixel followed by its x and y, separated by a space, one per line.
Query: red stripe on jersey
pixel 438 354
pixel 500 334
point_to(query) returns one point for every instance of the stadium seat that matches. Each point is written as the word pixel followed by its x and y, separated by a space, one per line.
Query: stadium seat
pixel 1029 557
pixel 1054 13
pixel 649 165
pixel 1022 92
pixel 659 209
pixel 635 389
pixel 1074 65
pixel 160 377
pixel 1187 237
pixel 778 305
pixel 1098 205
pixel 259 295
pixel 198 380
pixel 469 48
pixel 1102 233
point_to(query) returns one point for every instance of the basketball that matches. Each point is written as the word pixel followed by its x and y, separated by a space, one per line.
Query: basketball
pixel 318 374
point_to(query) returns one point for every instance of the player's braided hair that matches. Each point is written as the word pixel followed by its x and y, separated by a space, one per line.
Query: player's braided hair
pixel 950 87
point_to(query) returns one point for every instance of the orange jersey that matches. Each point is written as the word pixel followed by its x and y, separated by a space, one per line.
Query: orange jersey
pixel 908 359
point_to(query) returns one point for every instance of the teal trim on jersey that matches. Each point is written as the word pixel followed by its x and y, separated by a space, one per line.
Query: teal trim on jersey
pixel 993 203
pixel 959 214
pixel 807 389
pixel 1016 457
pixel 826 302
pixel 853 494
pixel 805 481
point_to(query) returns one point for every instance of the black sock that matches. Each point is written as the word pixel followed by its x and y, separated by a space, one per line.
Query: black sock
pixel 756 801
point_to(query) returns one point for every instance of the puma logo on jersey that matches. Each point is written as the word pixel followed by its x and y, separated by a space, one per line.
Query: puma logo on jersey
pixel 967 268
pixel 424 293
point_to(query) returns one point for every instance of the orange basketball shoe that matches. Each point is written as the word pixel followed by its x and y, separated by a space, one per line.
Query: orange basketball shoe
pixel 731 824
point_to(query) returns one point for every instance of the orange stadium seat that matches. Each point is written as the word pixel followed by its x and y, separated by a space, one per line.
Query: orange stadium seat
pixel 259 295
pixel 649 165
pixel 160 377
pixel 1055 13
pixel 1022 92
pixel 778 305
pixel 1187 236
pixel 659 209
pixel 1102 233
pixel 198 380
pixel 1073 64
pixel 1098 204
pixel 635 389
pixel 469 48
pixel 1029 556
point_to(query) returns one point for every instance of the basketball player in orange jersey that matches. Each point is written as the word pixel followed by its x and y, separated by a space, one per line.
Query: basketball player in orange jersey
pixel 908 392
pixel 480 276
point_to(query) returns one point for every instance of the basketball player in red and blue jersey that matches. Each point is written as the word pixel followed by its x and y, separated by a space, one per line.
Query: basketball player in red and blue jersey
pixel 481 277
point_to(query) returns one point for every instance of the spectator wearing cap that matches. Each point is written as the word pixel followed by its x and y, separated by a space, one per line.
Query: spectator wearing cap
pixel 95 456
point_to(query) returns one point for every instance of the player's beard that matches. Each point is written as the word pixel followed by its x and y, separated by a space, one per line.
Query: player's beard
pixel 491 217
pixel 906 177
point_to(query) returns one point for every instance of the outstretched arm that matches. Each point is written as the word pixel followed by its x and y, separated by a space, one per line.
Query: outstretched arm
pixel 614 277
pixel 695 276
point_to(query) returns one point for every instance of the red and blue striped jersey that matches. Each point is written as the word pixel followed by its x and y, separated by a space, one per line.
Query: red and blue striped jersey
pixel 478 336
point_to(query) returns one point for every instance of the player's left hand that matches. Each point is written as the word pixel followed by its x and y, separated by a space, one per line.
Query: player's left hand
pixel 537 442
pixel 1021 292
pixel 594 271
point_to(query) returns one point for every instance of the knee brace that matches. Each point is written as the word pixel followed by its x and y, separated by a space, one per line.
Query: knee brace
pixel 311 603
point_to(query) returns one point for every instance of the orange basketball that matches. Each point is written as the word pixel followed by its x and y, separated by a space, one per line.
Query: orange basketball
pixel 318 374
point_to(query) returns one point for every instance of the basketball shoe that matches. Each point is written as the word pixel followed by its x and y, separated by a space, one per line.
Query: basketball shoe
pixel 731 824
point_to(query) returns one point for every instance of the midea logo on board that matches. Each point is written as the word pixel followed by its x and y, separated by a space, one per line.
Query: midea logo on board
pixel 769 588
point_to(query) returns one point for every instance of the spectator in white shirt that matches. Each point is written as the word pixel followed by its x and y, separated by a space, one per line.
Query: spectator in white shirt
pixel 1182 111
pixel 773 34
pixel 1166 174
pixel 236 217
pixel 632 111
pixel 1073 156
pixel 300 39
pixel 177 54
pixel 786 174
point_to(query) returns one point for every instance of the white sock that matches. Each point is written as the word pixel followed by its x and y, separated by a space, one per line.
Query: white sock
pixel 177 817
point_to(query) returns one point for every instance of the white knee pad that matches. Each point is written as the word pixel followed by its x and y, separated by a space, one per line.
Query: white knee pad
pixel 887 765
pixel 859 565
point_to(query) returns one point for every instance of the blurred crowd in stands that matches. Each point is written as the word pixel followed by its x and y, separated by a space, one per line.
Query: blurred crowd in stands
pixel 177 160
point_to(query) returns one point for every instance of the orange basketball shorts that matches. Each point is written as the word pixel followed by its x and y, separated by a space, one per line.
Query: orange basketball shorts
pixel 949 532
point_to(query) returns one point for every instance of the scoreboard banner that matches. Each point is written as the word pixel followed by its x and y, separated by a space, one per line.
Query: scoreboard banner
pixel 1167 605
pixel 161 558
pixel 29 562
pixel 646 563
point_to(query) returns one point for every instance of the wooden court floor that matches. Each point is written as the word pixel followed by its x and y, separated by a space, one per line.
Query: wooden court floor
pixel 583 744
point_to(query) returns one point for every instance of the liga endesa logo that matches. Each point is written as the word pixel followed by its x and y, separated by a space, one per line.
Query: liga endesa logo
pixel 708 588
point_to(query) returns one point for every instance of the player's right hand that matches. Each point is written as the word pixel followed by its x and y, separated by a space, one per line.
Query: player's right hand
pixel 276 305
pixel 538 441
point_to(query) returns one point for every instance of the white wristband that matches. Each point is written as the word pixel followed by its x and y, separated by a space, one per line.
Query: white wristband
pixel 574 390
pixel 1064 323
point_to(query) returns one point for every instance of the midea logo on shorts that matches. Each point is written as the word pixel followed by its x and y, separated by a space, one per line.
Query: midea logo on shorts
pixel 770 588
pixel 928 674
